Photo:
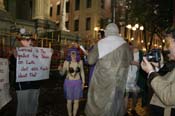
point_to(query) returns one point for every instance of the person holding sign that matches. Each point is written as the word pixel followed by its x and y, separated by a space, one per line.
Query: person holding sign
pixel 5 96
pixel 28 91
pixel 75 80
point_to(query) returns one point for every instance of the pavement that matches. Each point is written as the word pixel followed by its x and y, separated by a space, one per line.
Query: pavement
pixel 52 102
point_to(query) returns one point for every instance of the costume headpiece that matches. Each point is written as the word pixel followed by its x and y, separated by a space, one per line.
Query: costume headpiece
pixel 24 35
pixel 111 29
pixel 70 50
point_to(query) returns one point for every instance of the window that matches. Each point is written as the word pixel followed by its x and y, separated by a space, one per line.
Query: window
pixel 88 23
pixel 76 25
pixel 58 9
pixel 67 7
pixel 67 25
pixel 77 4
pixel 51 11
pixel 88 3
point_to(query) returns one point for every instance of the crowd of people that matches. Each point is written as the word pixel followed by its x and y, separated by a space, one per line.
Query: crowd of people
pixel 114 74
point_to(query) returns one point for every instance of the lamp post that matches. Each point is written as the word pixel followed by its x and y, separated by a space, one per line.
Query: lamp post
pixel 141 28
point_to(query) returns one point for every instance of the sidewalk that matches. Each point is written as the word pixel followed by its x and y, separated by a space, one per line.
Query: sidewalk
pixel 52 102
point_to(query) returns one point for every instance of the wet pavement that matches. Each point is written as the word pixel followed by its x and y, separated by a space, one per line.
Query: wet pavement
pixel 52 102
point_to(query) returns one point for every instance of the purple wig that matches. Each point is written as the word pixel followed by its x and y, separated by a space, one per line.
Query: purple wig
pixel 78 58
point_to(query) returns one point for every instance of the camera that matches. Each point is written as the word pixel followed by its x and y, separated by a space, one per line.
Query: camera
pixel 153 55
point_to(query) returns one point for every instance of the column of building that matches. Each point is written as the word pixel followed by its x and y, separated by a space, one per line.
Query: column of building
pixel 41 9
pixel 41 16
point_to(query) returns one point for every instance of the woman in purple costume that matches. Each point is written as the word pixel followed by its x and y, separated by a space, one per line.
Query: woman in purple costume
pixel 75 79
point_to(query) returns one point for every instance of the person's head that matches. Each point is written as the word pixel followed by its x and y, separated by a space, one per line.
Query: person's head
pixel 101 34
pixel 26 42
pixel 170 43
pixel 73 54
pixel 25 38
pixel 130 45
pixel 111 29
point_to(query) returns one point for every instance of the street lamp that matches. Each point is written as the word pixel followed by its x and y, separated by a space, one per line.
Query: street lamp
pixel 141 28
pixel 134 33
pixel 96 29
pixel 129 26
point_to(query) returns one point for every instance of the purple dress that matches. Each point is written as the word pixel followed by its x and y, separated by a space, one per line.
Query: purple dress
pixel 73 89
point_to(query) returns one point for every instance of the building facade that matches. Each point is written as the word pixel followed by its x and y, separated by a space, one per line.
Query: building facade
pixel 33 15
pixel 83 17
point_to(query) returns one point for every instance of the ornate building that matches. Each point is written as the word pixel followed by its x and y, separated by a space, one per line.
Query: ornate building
pixel 33 15
pixel 82 17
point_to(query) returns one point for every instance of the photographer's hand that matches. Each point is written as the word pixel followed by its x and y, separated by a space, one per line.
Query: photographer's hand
pixel 146 66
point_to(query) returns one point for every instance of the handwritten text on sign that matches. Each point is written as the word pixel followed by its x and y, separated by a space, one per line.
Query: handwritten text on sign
pixel 4 82
pixel 33 63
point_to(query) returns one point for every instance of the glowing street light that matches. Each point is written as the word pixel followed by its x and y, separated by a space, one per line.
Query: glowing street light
pixel 163 41
pixel 136 26
pixel 132 38
pixel 96 29
pixel 141 28
pixel 142 41
pixel 129 26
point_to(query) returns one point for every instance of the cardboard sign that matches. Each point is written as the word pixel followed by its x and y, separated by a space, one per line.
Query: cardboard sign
pixel 33 63
pixel 4 82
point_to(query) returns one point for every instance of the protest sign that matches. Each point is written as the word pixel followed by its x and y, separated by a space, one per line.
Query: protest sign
pixel 33 63
pixel 4 82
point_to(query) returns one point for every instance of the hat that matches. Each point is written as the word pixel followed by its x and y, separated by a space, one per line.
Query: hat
pixel 111 29
pixel 24 35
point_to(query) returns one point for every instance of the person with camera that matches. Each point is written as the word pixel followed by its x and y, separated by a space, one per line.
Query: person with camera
pixel 163 81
